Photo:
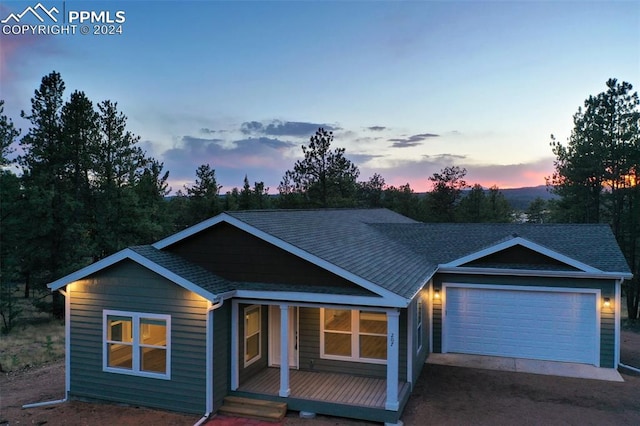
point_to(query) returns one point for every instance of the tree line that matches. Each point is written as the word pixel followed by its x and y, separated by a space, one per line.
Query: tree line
pixel 86 190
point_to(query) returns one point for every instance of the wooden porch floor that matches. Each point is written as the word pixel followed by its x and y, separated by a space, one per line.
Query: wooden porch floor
pixel 325 387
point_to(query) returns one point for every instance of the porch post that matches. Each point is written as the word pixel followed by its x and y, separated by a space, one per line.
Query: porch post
pixel 393 356
pixel 235 380
pixel 285 390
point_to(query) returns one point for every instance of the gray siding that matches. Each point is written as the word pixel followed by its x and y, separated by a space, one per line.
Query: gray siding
pixel 309 349
pixel 128 286
pixel 221 353
pixel 607 317
pixel 420 355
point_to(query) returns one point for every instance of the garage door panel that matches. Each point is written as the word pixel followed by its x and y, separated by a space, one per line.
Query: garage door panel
pixel 558 326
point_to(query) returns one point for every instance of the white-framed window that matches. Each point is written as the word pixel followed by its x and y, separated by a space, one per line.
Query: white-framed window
pixel 136 343
pixel 252 334
pixel 419 315
pixel 353 335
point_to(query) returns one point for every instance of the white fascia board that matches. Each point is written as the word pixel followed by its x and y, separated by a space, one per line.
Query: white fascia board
pixel 532 272
pixel 192 230
pixel 525 243
pixel 321 298
pixel 141 260
pixel 88 270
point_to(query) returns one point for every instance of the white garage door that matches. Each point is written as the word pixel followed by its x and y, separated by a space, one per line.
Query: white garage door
pixel 555 326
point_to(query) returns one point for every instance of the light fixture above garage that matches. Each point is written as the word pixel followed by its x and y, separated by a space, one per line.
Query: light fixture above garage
pixel 607 302
pixel 436 294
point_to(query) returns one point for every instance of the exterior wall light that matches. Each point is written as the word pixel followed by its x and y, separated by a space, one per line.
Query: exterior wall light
pixel 607 302
pixel 436 294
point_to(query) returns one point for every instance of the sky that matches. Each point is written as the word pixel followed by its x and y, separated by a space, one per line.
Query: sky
pixel 407 87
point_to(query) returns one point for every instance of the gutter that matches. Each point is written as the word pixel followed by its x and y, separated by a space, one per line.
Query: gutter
pixel 209 354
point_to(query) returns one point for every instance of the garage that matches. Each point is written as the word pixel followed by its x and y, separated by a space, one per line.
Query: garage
pixel 550 324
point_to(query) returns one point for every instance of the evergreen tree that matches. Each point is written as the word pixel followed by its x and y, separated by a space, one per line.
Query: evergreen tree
pixel 403 200
pixel 8 135
pixel 246 196
pixel 370 193
pixel 597 172
pixel 324 178
pixel 54 247
pixel 537 212
pixel 118 162
pixel 446 193
pixel 203 195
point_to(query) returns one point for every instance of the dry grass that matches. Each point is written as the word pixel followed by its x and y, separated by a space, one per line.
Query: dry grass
pixel 35 340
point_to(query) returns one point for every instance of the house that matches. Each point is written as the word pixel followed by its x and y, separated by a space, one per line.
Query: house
pixel 333 311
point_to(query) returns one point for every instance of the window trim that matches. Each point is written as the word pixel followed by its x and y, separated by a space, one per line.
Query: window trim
pixel 246 337
pixel 355 338
pixel 136 345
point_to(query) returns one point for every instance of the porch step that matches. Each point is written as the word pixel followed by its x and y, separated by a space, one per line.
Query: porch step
pixel 253 408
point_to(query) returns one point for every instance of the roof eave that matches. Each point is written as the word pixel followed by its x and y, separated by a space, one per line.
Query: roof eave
pixel 139 259
pixel 520 241
pixel 533 272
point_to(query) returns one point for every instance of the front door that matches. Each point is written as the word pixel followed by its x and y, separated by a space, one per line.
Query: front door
pixel 274 336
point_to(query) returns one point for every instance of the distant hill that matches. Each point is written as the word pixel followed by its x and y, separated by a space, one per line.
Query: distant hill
pixel 520 198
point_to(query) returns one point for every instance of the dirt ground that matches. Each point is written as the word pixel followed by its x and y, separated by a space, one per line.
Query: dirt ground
pixel 443 395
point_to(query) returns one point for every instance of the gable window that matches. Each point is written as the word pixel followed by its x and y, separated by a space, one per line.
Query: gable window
pixel 137 344
pixel 419 324
pixel 252 334
pixel 353 335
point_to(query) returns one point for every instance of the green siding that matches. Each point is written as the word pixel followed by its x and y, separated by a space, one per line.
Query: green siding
pixel 221 354
pixel 420 355
pixel 607 316
pixel 128 286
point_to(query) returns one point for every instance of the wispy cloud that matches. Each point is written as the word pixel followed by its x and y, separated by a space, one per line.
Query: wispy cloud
pixel 261 158
pixel 282 128
pixel 412 140
pixel 376 128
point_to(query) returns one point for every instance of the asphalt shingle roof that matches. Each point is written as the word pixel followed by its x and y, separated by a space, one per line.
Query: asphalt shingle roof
pixel 394 252
pixel 185 269
pixel 592 244
pixel 345 238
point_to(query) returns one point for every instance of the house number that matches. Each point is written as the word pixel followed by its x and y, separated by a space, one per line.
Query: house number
pixel 392 339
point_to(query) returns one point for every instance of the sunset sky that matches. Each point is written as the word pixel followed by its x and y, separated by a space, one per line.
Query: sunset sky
pixel 407 87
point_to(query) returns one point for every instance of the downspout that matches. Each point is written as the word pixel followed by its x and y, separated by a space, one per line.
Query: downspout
pixel 209 355
pixel 67 354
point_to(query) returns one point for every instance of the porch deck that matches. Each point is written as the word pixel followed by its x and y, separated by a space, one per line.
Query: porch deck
pixel 330 388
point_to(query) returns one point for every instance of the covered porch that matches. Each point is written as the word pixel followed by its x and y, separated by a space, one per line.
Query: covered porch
pixel 329 393
pixel 295 362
